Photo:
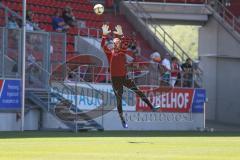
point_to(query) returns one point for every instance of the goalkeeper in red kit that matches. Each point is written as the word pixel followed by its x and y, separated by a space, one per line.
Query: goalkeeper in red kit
pixel 117 60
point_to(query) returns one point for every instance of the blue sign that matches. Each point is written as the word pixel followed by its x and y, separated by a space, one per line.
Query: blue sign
pixel 10 94
pixel 199 100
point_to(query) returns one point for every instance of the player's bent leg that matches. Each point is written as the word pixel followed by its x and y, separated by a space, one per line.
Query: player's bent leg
pixel 131 85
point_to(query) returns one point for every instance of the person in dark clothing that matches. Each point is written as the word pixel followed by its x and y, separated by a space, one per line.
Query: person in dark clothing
pixel 187 69
pixel 68 16
pixel 117 60
pixel 58 23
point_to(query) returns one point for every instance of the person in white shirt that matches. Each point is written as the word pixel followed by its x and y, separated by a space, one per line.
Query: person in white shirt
pixel 154 69
pixel 167 66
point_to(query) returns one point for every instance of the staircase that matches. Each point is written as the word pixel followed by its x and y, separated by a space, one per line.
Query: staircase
pixel 144 19
pixel 225 16
pixel 63 109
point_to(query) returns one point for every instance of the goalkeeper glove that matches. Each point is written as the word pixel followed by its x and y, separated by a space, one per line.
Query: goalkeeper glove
pixel 118 30
pixel 105 29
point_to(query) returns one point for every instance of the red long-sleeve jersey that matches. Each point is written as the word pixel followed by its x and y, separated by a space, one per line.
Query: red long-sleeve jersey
pixel 116 59
pixel 175 69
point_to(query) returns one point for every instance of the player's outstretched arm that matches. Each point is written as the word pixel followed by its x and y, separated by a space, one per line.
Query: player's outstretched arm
pixel 105 32
pixel 119 34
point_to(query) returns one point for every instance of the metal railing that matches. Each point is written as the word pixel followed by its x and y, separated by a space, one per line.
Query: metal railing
pixel 57 51
pixel 180 1
pixel 143 73
pixel 10 53
pixel 90 73
pixel 169 43
pixel 46 51
pixel 226 15
pixel 88 31
pixel 38 49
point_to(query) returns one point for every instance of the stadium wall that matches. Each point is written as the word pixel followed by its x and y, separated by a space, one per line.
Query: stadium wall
pixel 12 121
pixel 220 60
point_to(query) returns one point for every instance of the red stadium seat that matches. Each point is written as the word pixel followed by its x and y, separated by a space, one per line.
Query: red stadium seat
pixel 82 9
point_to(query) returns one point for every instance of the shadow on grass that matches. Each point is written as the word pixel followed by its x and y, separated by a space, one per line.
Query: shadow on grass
pixel 66 134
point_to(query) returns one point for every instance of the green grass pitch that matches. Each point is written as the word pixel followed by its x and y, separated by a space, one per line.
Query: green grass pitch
pixel 119 145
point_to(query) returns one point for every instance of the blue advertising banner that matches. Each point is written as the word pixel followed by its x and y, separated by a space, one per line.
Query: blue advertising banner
pixel 10 94
pixel 198 100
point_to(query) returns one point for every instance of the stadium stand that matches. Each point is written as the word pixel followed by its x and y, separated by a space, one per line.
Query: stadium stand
pixel 44 11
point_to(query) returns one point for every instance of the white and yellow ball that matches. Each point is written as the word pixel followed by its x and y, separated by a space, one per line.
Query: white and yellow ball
pixel 98 9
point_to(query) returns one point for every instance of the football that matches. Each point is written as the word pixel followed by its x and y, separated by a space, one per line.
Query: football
pixel 98 9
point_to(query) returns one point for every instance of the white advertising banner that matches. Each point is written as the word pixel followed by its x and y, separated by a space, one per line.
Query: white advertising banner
pixel 180 109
